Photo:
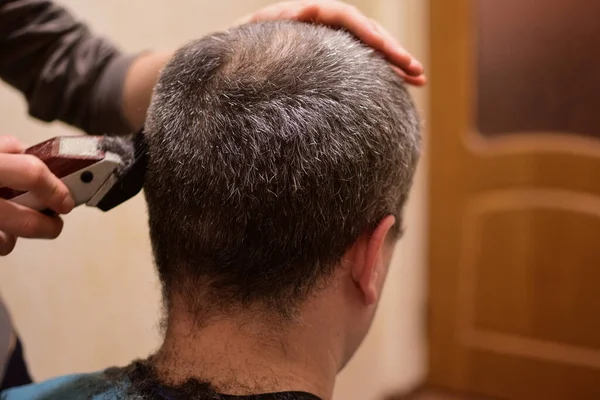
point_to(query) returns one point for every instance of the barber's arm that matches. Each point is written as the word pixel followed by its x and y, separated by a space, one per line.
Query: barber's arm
pixel 68 74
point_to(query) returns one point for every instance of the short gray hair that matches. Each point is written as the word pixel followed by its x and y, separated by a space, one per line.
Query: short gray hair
pixel 272 148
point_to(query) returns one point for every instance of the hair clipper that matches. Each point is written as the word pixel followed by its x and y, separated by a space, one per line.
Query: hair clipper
pixel 99 171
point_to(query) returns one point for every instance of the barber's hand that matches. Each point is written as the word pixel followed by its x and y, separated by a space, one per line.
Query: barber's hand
pixel 337 14
pixel 27 173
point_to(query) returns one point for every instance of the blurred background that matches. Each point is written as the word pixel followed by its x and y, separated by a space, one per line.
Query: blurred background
pixel 91 299
pixel 493 292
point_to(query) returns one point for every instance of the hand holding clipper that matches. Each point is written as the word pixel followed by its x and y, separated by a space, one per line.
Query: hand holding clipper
pixel 61 173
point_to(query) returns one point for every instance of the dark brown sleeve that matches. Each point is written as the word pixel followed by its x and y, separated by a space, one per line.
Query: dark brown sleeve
pixel 64 71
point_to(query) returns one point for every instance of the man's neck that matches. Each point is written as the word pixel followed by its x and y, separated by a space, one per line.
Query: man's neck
pixel 242 356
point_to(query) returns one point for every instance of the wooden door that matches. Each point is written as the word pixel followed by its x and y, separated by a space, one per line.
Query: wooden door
pixel 514 150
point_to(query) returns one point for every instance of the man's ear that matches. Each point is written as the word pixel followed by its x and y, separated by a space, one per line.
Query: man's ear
pixel 368 266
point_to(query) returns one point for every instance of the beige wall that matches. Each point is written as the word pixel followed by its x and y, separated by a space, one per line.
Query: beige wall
pixel 90 299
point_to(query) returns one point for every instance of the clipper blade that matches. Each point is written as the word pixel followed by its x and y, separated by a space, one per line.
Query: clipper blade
pixel 121 146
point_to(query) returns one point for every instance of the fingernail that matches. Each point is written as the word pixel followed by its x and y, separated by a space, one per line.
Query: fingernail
pixel 415 65
pixel 67 205
pixel 376 28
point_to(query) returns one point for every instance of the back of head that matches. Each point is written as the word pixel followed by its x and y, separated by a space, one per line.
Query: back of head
pixel 272 148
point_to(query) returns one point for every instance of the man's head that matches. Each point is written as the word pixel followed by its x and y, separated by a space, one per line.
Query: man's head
pixel 281 155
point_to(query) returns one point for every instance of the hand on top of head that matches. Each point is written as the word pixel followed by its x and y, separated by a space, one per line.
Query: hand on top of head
pixel 25 172
pixel 337 14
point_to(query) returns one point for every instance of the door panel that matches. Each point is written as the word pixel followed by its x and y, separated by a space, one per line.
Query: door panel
pixel 515 198
pixel 537 66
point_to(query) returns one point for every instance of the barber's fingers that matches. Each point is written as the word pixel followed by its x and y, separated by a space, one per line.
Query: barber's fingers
pixel 7 243
pixel 414 73
pixel 28 173
pixel 411 80
pixel 17 220
pixel 9 144
pixel 341 15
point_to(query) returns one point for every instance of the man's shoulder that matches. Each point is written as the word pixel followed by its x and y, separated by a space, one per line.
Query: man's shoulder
pixel 96 386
